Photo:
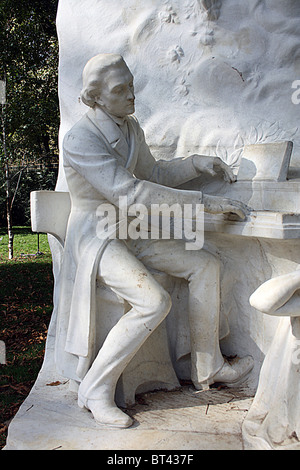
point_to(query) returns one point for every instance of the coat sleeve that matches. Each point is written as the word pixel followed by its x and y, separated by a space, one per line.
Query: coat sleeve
pixel 170 173
pixel 90 158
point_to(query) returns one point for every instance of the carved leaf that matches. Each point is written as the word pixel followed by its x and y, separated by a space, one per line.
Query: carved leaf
pixel 239 142
pixel 272 130
pixel 292 132
pixel 253 137
pixel 260 133
pixel 234 157
pixel 221 152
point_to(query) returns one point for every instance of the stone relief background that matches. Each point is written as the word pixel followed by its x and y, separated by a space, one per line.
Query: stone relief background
pixel 210 76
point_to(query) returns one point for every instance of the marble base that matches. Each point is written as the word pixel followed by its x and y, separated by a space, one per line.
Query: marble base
pixel 183 419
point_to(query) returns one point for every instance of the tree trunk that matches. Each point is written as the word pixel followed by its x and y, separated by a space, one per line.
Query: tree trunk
pixel 8 214
pixel 8 192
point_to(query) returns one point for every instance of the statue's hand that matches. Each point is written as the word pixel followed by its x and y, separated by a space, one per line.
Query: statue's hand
pixel 223 170
pixel 220 205
pixel 214 166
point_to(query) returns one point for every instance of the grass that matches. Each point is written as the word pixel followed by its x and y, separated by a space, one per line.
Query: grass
pixel 26 286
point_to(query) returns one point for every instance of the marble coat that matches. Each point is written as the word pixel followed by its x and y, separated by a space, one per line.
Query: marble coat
pixel 100 166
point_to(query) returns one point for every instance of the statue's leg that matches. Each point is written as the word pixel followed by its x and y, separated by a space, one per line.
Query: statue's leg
pixel 127 277
pixel 202 271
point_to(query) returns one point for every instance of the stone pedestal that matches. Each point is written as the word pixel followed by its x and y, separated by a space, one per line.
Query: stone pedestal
pixel 182 420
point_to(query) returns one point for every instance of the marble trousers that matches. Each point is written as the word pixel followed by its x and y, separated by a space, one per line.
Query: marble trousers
pixel 126 268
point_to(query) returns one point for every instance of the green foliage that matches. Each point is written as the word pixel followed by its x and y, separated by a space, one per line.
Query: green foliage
pixel 33 179
pixel 29 66
pixel 26 286
pixel 29 63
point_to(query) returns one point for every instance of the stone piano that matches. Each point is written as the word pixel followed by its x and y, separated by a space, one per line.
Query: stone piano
pixel 264 245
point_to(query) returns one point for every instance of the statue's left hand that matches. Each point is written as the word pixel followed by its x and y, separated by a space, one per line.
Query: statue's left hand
pixel 214 166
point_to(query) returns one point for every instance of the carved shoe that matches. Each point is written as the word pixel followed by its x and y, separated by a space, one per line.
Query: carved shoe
pixel 105 414
pixel 230 374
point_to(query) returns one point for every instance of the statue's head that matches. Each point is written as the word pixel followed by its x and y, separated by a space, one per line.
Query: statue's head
pixel 108 83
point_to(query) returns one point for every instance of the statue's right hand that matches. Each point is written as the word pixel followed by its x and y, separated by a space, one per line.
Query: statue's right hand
pixel 220 205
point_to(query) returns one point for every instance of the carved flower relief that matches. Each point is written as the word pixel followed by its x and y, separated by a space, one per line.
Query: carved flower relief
pixel 168 15
pixel 182 88
pixel 175 54
pixel 204 34
pixel 254 76
pixel 194 8
pixel 181 91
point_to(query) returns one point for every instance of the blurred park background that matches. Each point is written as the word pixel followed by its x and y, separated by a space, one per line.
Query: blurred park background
pixel 29 162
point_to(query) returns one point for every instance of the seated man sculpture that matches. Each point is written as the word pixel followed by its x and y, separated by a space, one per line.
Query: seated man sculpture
pixel 106 157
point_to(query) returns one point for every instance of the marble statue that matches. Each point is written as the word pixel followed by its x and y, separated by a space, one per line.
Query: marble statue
pixel 206 76
pixel 105 157
pixel 273 421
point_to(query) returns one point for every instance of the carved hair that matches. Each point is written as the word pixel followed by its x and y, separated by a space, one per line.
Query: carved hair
pixel 93 73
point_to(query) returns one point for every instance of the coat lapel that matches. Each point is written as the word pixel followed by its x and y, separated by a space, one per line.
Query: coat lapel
pixel 133 148
pixel 111 132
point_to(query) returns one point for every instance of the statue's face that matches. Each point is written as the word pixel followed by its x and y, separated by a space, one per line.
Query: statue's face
pixel 117 92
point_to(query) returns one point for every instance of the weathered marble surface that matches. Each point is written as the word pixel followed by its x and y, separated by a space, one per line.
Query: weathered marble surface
pixel 212 80
pixel 218 81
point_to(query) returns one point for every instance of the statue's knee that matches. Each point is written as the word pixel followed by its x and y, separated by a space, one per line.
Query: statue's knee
pixel 162 303
pixel 166 302
pixel 206 264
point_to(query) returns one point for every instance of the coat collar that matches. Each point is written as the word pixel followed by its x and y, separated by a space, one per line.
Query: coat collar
pixel 113 134
pixel 107 126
